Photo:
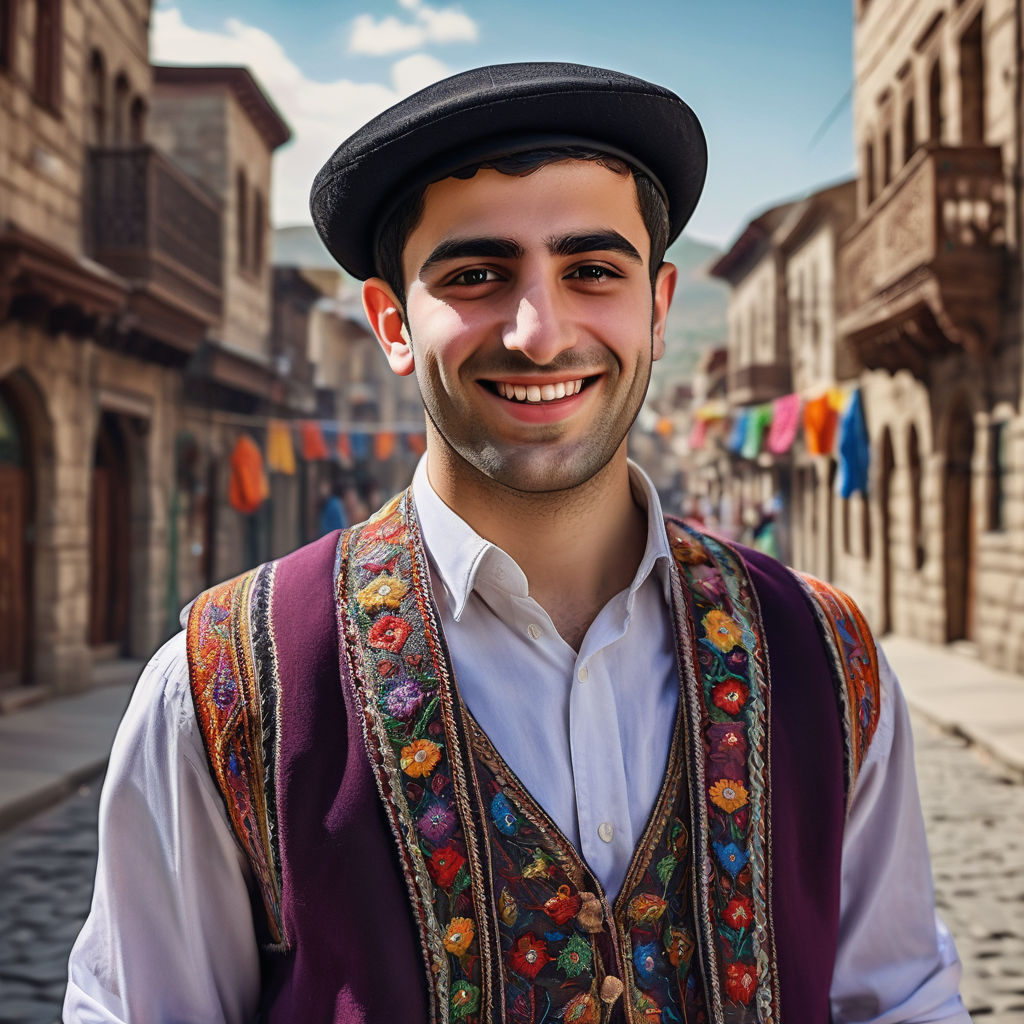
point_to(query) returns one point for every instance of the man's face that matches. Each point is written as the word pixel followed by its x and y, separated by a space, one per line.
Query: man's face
pixel 529 307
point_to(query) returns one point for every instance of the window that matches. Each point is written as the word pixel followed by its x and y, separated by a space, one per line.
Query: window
pixel 972 85
pixel 137 122
pixel 7 33
pixel 242 219
pixel 909 132
pixel 122 97
pixel 935 103
pixel 869 172
pixel 998 449
pixel 886 158
pixel 48 63
pixel 96 125
pixel 259 214
pixel 914 465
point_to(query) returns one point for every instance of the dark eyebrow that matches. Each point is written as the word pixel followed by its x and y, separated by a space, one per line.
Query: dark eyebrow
pixel 595 241
pixel 473 248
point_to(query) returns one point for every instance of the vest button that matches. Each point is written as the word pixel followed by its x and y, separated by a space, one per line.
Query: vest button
pixel 611 989
pixel 591 913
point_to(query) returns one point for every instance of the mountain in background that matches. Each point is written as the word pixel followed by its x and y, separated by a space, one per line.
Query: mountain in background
pixel 696 321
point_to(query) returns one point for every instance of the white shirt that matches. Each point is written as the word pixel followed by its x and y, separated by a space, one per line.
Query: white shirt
pixel 170 933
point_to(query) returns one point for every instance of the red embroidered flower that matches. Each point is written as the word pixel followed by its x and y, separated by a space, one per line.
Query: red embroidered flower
pixel 740 982
pixel 386 668
pixel 389 633
pixel 444 865
pixel 730 696
pixel 528 956
pixel 739 913
pixel 563 905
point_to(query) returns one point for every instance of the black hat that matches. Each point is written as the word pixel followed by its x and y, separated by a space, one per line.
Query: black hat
pixel 497 111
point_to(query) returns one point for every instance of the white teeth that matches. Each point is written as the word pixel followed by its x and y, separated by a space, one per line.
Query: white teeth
pixel 539 392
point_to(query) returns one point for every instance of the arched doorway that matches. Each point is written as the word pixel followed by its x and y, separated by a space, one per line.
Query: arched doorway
pixel 110 539
pixel 16 529
pixel 959 529
pixel 884 495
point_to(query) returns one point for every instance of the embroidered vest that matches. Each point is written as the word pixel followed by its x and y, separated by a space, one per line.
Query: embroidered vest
pixel 729 909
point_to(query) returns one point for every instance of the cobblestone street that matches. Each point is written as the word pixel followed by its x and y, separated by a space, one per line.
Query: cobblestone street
pixel 975 814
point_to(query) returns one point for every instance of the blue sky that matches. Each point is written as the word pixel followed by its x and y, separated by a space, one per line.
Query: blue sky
pixel 763 76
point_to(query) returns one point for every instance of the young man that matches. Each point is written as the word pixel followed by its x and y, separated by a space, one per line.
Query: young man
pixel 517 749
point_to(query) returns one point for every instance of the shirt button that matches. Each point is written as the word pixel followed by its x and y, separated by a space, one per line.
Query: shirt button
pixel 606 830
pixel 535 631
pixel 583 674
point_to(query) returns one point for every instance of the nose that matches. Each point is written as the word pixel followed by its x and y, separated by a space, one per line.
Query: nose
pixel 539 325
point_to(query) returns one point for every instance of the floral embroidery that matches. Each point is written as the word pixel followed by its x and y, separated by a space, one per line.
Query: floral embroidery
pixel 508 909
pixel 575 957
pixel 728 795
pixel 444 865
pixel 420 758
pixel 739 913
pixel 528 956
pixel 404 700
pixel 581 1009
pixel 389 633
pixel 438 821
pixel 679 946
pixel 740 982
pixel 722 630
pixel 459 935
pixel 730 696
pixel 563 906
pixel 383 592
pixel 503 815
pixel 645 960
pixel 465 999
pixel 646 908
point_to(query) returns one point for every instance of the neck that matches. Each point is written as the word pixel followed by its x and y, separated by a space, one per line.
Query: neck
pixel 578 548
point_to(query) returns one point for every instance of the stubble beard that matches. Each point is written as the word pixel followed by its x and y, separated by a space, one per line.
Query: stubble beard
pixel 542 469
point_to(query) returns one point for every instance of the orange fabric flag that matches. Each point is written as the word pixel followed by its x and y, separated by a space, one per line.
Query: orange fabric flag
pixel 417 443
pixel 248 488
pixel 314 446
pixel 383 445
pixel 344 446
pixel 820 418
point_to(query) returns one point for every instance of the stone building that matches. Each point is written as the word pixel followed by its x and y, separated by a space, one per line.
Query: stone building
pixel 929 304
pixel 125 290
pixel 101 305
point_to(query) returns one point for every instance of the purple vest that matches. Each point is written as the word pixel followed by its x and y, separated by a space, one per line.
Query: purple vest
pixel 368 907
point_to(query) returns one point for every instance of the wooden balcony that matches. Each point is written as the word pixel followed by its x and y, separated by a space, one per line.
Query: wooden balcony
pixel 758 382
pixel 153 225
pixel 920 274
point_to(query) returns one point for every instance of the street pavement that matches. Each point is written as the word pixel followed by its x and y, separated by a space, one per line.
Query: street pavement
pixel 973 799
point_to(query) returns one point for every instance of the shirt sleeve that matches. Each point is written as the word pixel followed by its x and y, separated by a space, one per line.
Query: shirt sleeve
pixel 896 962
pixel 170 933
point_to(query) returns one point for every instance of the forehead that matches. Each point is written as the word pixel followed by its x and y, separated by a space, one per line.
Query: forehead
pixel 554 199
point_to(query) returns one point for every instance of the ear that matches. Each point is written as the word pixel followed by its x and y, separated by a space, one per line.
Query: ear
pixel 664 289
pixel 383 310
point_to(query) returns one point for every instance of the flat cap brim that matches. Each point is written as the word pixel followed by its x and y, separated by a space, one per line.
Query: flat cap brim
pixel 490 111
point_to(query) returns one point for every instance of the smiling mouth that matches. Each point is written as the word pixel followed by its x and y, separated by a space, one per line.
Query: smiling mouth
pixel 537 394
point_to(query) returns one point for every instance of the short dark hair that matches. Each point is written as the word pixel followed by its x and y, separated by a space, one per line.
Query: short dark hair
pixel 406 215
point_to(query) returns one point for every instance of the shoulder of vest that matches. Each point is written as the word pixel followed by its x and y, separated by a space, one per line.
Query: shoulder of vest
pixel 227 637
pixel 854 658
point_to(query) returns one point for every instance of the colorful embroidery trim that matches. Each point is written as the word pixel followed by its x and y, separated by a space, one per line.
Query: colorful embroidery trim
pixel 729 716
pixel 236 695
pixel 855 663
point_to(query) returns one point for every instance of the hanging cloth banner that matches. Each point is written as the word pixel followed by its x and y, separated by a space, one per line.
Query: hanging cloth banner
pixel 360 446
pixel 383 445
pixel 820 420
pixel 314 447
pixel 247 488
pixel 417 443
pixel 785 420
pixel 699 433
pixel 739 431
pixel 758 422
pixel 854 449
pixel 280 450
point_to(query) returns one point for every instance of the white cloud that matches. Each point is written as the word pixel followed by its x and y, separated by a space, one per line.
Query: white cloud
pixel 321 114
pixel 430 25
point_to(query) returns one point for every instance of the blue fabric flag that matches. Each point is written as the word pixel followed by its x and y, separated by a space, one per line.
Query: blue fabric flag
pixel 854 449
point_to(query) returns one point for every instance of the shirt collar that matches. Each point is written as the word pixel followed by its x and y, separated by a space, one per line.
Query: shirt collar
pixel 465 561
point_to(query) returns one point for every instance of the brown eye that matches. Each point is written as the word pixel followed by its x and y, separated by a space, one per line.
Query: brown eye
pixel 478 275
